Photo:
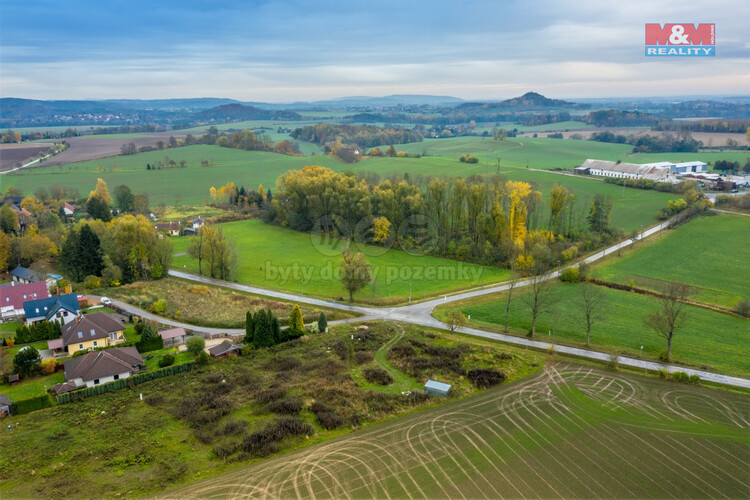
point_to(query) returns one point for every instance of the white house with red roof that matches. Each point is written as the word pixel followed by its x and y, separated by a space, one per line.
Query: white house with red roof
pixel 13 295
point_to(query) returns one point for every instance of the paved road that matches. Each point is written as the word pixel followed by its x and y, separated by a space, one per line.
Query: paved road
pixel 421 314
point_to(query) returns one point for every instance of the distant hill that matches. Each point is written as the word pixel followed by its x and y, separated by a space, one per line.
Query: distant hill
pixel 240 112
pixel 388 101
pixel 530 101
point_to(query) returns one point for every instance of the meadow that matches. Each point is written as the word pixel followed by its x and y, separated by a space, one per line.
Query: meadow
pixel 569 432
pixel 709 253
pixel 282 259
pixel 708 339
pixel 200 423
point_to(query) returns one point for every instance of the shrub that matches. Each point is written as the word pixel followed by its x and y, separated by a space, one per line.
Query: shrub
pixel 313 327
pixel 92 282
pixel 329 420
pixel 570 275
pixel 159 306
pixel 362 357
pixel 295 319
pixel 742 308
pixel 282 364
pixel 195 345
pixel 266 441
pixel 48 366
pixel 270 395
pixel 377 376
pixel 322 322
pixel 288 406
pixel 233 428
pixel 10 341
pixel 203 359
pixel 485 377
pixel 154 399
pixel 212 378
pixel 166 360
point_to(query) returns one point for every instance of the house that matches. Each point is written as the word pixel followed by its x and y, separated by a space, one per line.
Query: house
pixel 100 367
pixel 198 222
pixel 171 228
pixel 23 275
pixel 68 209
pixel 623 170
pixel 62 308
pixel 434 388
pixel 4 405
pixel 173 337
pixel 13 295
pixel 225 349
pixel 89 332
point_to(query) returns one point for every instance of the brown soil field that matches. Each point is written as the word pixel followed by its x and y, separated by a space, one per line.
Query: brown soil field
pixel 90 148
pixel 15 155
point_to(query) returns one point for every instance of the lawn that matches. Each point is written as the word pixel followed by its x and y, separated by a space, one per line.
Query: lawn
pixel 278 258
pixel 9 327
pixel 151 358
pixel 116 444
pixel 708 338
pixel 570 432
pixel 711 254
pixel 210 306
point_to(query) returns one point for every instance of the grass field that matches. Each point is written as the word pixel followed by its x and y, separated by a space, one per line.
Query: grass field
pixel 210 306
pixel 278 258
pixel 117 445
pixel 570 432
pixel 708 338
pixel 710 254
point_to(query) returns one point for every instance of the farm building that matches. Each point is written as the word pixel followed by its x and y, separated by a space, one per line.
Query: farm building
pixel 684 167
pixel 434 388
pixel 603 168
pixel 171 228
pixel 173 336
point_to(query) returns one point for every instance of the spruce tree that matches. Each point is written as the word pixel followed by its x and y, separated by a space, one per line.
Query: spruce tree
pixel 322 322
pixel 263 336
pixel 90 252
pixel 249 327
pixel 275 327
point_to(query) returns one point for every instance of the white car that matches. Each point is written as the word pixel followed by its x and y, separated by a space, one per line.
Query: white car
pixel 105 301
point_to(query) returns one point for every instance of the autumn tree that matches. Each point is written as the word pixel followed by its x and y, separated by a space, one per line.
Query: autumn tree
pixel 196 248
pixel 5 251
pixel 455 319
pixel 557 203
pixel 123 198
pixel 600 212
pixel 381 228
pixel 101 192
pixel 355 272
pixel 590 304
pixel 670 315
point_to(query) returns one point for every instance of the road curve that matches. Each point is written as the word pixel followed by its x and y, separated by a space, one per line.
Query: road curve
pixel 421 314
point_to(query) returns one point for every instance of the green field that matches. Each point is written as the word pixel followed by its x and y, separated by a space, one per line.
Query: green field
pixel 570 432
pixel 708 338
pixel 117 445
pixel 711 254
pixel 278 258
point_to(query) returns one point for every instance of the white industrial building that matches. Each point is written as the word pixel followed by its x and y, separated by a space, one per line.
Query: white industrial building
pixel 684 167
pixel 620 170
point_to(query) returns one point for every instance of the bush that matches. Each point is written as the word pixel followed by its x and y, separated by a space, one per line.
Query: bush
pixel 159 306
pixel 233 428
pixel 270 395
pixel 266 441
pixel 329 420
pixel 203 359
pixel 322 322
pixel 313 327
pixel 288 406
pixel 362 357
pixel 485 377
pixel 742 308
pixel 27 361
pixel 195 345
pixel 570 275
pixel 377 376
pixel 166 360
pixel 92 282
pixel 48 366
pixel 154 399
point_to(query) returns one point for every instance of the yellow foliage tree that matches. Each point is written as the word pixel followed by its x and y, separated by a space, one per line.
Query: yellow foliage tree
pixel 212 193
pixel 517 210
pixel 262 192
pixel 101 192
pixel 381 229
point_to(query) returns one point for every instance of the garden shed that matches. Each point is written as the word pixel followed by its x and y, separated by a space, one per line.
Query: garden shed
pixel 434 388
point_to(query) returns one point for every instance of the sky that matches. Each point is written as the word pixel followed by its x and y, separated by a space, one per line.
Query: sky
pixel 286 51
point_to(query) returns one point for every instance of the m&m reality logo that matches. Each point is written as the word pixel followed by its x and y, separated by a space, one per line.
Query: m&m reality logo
pixel 681 40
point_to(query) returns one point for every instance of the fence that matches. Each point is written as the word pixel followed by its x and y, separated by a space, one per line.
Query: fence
pixel 132 381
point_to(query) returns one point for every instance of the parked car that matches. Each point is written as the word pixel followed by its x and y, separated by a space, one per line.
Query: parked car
pixel 105 301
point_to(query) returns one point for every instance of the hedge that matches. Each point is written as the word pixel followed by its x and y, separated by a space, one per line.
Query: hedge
pixel 153 344
pixel 137 379
pixel 32 404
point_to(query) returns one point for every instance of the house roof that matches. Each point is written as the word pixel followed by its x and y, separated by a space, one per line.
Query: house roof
pixel 224 347
pixel 646 171
pixel 69 206
pixel 432 384
pixel 90 327
pixel 64 387
pixel 100 364
pixel 55 343
pixel 47 307
pixel 26 274
pixel 16 294
pixel 167 226
pixel 172 333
